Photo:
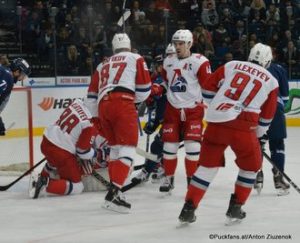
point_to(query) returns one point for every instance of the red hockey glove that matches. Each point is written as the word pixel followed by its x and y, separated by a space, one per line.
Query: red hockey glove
pixel 156 90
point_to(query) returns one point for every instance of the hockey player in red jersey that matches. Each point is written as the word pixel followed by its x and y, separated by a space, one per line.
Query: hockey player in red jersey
pixel 64 142
pixel 124 80
pixel 184 74
pixel 243 100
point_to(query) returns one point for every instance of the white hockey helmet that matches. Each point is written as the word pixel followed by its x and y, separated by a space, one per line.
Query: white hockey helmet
pixel 183 35
pixel 121 40
pixel 261 54
pixel 170 49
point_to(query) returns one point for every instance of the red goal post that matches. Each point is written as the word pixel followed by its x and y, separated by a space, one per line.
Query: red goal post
pixel 17 145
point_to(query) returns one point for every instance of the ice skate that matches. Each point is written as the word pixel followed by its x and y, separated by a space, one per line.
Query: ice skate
pixel 157 175
pixel 143 176
pixel 234 214
pixel 187 214
pixel 37 185
pixel 115 201
pixel 259 182
pixel 281 186
pixel 167 184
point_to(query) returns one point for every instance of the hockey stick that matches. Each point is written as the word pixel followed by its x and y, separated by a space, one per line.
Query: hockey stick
pixel 148 135
pixel 140 127
pixel 101 179
pixel 141 109
pixel 104 182
pixel 146 155
pixel 281 172
pixel 149 156
pixel 126 14
pixel 138 167
pixel 130 185
pixel 4 188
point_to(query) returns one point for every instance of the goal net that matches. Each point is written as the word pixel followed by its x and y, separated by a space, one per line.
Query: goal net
pixel 17 145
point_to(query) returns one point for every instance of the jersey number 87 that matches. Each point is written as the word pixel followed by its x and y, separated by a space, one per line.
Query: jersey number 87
pixel 120 66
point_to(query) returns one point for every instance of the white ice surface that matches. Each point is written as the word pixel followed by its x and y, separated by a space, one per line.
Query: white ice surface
pixel 153 218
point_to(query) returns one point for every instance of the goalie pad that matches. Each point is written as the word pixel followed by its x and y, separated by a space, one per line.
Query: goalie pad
pixel 91 184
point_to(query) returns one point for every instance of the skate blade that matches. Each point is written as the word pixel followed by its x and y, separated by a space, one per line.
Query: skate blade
pixel 258 187
pixel 31 187
pixel 282 192
pixel 112 207
pixel 232 221
pixel 182 224
pixel 165 194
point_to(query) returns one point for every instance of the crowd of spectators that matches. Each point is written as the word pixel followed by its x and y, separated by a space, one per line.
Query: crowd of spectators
pixel 223 29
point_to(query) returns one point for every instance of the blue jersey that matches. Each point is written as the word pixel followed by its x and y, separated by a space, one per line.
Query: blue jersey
pixel 6 86
pixel 160 103
pixel 281 75
pixel 277 129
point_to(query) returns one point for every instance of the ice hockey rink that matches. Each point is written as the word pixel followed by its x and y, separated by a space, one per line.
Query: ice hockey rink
pixel 154 218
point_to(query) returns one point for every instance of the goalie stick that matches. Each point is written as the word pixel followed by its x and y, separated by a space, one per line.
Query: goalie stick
pixel 146 155
pixel 4 188
pixel 281 172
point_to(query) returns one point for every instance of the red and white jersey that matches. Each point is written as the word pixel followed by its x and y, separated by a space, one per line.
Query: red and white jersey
pixel 73 131
pixel 124 69
pixel 184 78
pixel 240 86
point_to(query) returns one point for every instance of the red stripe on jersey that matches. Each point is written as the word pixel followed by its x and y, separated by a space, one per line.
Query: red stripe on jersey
pixel 85 139
pixel 142 73
pixel 204 72
pixel 94 85
pixel 212 83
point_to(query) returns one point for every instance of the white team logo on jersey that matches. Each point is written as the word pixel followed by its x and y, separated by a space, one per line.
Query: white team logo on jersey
pixel 178 83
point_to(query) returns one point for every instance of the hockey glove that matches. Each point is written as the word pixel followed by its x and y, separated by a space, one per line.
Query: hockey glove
pixel 262 141
pixel 103 157
pixel 156 90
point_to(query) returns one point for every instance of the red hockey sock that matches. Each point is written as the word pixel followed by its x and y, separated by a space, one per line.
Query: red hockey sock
pixel 194 194
pixel 190 167
pixel 170 166
pixel 242 193
pixel 57 187
pixel 119 173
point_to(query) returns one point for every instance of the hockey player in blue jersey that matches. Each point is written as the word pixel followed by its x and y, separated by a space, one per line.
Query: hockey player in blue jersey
pixel 18 70
pixel 157 107
pixel 277 133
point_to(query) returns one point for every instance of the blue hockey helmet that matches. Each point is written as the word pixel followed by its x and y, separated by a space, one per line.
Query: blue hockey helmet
pixel 21 65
